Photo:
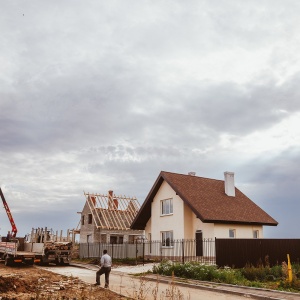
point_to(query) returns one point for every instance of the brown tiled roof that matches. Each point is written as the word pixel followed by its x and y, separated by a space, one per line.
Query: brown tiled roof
pixel 207 199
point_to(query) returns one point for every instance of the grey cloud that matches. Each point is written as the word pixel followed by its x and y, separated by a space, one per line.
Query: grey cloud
pixel 100 96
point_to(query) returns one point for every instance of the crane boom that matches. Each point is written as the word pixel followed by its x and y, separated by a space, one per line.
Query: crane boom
pixel 14 229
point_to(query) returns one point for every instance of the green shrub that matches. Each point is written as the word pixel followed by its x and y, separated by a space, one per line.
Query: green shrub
pixel 290 286
pixel 261 277
pixel 262 273
pixel 192 270
pixel 227 275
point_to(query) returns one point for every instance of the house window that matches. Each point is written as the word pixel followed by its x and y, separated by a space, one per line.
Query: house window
pixel 166 207
pixel 82 220
pixel 232 233
pixel 255 234
pixel 113 239
pixel 131 239
pixel 167 238
pixel 90 219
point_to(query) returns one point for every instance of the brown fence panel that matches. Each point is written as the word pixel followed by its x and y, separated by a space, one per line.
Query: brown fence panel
pixel 237 253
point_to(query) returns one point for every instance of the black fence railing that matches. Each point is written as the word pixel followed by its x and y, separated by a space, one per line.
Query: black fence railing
pixel 143 250
pixel 234 253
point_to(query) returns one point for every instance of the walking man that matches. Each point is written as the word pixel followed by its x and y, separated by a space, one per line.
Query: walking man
pixel 105 269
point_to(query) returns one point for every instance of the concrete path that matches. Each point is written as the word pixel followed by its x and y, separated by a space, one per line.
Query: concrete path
pixel 123 281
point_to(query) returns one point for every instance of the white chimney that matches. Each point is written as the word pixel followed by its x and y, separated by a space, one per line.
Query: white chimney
pixel 229 184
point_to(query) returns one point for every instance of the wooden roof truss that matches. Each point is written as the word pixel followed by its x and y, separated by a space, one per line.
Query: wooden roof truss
pixel 111 211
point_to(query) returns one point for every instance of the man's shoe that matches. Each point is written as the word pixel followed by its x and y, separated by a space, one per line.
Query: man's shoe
pixel 96 283
pixel 106 287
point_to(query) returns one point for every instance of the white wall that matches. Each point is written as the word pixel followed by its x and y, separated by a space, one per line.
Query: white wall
pixel 148 229
pixel 189 230
pixel 174 222
pixel 208 231
pixel 242 231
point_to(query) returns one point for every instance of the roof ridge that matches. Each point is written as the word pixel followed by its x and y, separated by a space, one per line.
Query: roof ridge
pixel 193 176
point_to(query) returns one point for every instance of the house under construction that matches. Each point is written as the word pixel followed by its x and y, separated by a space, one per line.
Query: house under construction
pixel 107 219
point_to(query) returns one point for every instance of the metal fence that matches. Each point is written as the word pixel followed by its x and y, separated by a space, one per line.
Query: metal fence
pixel 234 253
pixel 119 251
pixel 143 250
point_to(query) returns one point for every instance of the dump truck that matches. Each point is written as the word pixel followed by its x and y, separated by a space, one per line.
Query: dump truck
pixel 49 247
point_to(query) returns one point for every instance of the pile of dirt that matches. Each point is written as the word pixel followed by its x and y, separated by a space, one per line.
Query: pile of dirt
pixel 28 283
pixel 13 283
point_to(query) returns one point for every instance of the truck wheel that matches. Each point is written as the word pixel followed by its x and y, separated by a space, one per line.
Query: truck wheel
pixel 43 262
pixel 8 261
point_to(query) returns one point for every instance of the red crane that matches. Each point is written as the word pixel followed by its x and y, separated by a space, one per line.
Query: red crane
pixel 14 229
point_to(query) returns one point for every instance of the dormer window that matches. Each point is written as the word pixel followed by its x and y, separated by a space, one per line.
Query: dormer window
pixel 167 207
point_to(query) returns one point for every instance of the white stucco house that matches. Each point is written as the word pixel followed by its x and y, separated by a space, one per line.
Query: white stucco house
pixel 188 207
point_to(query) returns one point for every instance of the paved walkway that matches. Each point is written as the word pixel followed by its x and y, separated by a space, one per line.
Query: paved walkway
pixel 123 281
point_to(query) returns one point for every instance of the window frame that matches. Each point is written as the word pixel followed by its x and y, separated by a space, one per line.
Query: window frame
pixel 90 219
pixel 232 230
pixel 256 234
pixel 166 207
pixel 167 239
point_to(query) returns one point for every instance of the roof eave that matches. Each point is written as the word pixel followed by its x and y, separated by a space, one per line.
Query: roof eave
pixel 144 213
pixel 240 222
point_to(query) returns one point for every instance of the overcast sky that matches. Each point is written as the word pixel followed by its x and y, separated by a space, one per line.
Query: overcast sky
pixel 99 95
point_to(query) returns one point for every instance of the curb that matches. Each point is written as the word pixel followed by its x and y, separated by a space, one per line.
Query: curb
pixel 212 289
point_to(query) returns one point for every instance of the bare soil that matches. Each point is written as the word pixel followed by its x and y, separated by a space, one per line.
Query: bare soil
pixel 27 283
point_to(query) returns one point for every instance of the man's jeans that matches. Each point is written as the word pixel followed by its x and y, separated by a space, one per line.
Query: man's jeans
pixel 106 271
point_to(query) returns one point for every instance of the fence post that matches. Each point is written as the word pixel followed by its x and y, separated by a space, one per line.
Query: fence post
pixel 99 250
pixel 182 251
pixel 88 249
pixel 143 252
pixel 136 252
pixel 160 251
pixel 216 251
